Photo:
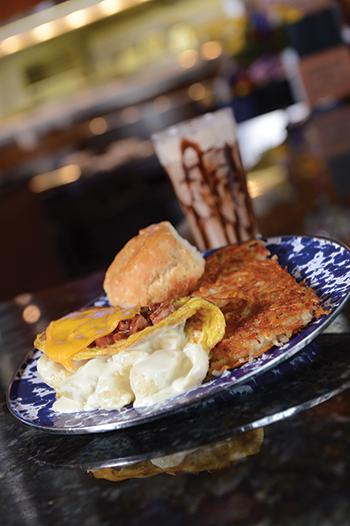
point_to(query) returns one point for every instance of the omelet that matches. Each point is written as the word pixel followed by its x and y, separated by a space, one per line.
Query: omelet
pixel 109 357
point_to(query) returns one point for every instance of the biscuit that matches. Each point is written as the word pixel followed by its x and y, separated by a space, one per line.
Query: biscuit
pixel 154 266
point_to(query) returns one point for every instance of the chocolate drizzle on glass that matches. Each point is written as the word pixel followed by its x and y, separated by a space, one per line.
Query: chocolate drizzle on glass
pixel 214 195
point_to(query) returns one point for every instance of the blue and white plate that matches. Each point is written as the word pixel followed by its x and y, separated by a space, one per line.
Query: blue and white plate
pixel 325 266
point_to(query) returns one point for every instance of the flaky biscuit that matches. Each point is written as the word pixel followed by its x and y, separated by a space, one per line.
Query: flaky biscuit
pixel 154 266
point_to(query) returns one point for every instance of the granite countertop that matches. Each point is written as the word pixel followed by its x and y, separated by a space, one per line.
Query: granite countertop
pixel 290 466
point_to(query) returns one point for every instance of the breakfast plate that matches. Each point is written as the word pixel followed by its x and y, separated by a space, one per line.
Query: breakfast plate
pixel 324 264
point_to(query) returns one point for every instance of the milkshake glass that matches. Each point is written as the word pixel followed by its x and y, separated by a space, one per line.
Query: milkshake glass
pixel 203 163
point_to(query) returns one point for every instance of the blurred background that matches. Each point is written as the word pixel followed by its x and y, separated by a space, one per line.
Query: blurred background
pixel 84 84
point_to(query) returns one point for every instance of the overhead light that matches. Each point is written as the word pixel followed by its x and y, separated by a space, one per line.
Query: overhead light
pixel 196 91
pixel 77 18
pixel 11 45
pixel 47 181
pixel 22 299
pixel 44 32
pixel 31 313
pixel 110 7
pixel 188 58
pixel 98 126
pixel 58 24
pixel 211 50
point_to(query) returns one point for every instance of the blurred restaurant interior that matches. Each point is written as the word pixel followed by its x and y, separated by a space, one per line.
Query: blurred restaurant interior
pixel 84 84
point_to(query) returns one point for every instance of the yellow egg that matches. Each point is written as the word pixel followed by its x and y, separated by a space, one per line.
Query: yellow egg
pixel 73 333
pixel 69 338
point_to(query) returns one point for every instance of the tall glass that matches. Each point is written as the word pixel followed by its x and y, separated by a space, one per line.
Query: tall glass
pixel 202 160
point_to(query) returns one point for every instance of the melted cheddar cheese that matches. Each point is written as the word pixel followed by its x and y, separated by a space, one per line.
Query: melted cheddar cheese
pixel 73 333
pixel 148 367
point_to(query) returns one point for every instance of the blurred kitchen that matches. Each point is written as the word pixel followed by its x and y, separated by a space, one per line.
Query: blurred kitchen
pixel 84 84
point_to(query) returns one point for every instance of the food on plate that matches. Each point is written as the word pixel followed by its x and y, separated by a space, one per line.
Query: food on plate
pixel 109 357
pixel 212 457
pixel 154 266
pixel 241 304
pixel 262 303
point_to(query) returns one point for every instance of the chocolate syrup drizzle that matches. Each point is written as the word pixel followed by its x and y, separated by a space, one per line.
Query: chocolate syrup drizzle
pixel 229 188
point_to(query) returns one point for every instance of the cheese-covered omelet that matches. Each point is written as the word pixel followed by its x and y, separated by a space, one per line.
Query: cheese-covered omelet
pixel 148 367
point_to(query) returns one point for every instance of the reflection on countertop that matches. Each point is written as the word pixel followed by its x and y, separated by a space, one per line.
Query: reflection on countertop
pixel 212 457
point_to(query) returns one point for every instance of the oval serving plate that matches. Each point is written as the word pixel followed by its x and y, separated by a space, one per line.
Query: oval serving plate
pixel 325 266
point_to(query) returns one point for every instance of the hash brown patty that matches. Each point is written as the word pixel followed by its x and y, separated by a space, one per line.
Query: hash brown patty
pixel 262 303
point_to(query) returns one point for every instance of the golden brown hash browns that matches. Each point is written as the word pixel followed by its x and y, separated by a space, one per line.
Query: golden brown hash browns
pixel 262 303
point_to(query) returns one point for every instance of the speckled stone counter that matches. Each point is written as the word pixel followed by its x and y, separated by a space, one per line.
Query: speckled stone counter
pixel 298 474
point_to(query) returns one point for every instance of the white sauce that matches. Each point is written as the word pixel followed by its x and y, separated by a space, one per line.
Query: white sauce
pixel 150 372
